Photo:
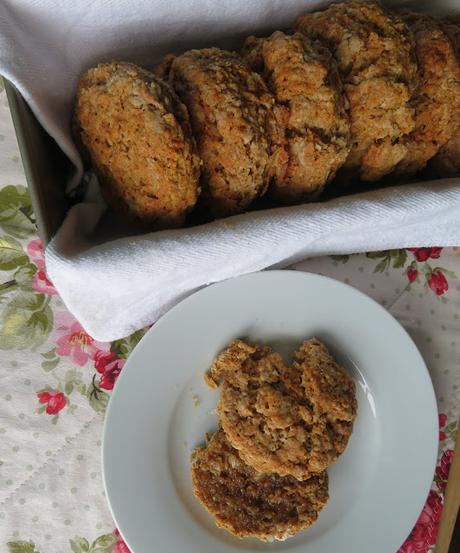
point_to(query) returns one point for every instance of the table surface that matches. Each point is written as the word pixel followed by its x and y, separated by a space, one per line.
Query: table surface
pixel 55 380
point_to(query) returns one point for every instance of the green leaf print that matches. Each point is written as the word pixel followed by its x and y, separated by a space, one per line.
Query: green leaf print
pixel 11 254
pixel 98 399
pixel 26 322
pixel 125 346
pixel 388 258
pixel 50 365
pixel 24 275
pixel 79 545
pixel 51 354
pixel 399 258
pixel 16 215
pixel 103 544
pixel 21 547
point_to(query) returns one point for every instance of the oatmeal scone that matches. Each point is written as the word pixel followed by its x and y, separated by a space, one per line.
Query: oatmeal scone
pixel 251 504
pixel 375 57
pixel 446 163
pixel 329 388
pixel 233 122
pixel 302 75
pixel 437 97
pixel 268 414
pixel 137 135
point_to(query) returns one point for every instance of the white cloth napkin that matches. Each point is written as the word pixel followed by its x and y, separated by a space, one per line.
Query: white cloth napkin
pixel 116 287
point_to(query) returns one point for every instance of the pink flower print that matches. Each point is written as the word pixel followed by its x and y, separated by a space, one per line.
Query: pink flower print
pixel 55 401
pixel 411 274
pixel 438 282
pixel 426 529
pixel 120 546
pixel 109 366
pixel 40 281
pixel 442 470
pixel 73 341
pixel 442 424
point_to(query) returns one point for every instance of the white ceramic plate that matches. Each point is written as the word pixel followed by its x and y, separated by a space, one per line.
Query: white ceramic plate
pixel 161 409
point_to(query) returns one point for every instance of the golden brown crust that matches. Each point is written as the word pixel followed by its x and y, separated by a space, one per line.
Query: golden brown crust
pixel 303 77
pixel 437 95
pixel 374 54
pixel 250 504
pixel 330 388
pixel 446 162
pixel 270 416
pixel 232 118
pixel 138 137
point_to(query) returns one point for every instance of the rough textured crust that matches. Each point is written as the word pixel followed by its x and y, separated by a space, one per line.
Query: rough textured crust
pixel 331 391
pixel 137 135
pixel 232 118
pixel 303 77
pixel 437 95
pixel 250 504
pixel 270 415
pixel 374 53
pixel 446 162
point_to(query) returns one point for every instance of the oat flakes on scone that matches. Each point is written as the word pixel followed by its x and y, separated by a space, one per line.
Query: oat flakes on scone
pixel 446 163
pixel 436 99
pixel 137 135
pixel 233 121
pixel 267 414
pixel 314 142
pixel 252 504
pixel 373 49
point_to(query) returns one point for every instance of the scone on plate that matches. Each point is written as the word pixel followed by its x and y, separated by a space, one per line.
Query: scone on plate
pixel 137 135
pixel 251 504
pixel 273 414
pixel 314 142
pixel 232 118
pixel 330 390
pixel 374 53
pixel 437 97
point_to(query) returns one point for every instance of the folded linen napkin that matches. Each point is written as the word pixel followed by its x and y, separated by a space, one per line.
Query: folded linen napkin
pixel 118 286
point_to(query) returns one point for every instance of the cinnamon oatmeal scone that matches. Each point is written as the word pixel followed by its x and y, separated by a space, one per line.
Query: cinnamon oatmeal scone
pixel 233 122
pixel 446 163
pixel 251 504
pixel 437 97
pixel 269 415
pixel 137 135
pixel 303 77
pixel 374 53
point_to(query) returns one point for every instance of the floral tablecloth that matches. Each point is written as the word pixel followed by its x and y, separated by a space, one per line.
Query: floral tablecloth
pixel 55 380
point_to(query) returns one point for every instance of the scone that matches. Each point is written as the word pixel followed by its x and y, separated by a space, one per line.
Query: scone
pixel 330 390
pixel 269 415
pixel 302 75
pixel 137 136
pixel 250 504
pixel 437 97
pixel 374 53
pixel 232 118
pixel 446 163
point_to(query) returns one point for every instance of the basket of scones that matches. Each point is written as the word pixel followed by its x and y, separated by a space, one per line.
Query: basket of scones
pixel 348 97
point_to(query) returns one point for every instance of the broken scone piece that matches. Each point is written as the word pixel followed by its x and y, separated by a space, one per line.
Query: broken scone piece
pixel 251 504
pixel 288 420
pixel 331 391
